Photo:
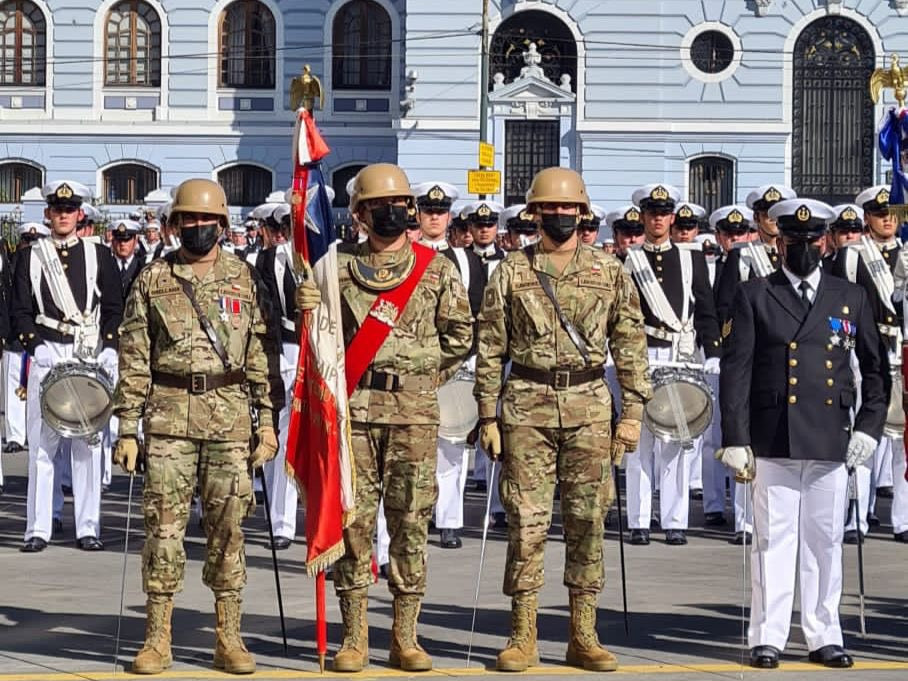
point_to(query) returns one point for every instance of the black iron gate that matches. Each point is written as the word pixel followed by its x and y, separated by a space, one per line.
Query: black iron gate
pixel 712 182
pixel 529 146
pixel 832 114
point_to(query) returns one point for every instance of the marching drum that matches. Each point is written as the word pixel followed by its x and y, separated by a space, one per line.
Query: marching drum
pixel 682 405
pixel 459 411
pixel 76 398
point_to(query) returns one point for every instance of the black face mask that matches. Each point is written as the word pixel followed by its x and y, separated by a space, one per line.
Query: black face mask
pixel 389 221
pixel 559 227
pixel 201 239
pixel 802 257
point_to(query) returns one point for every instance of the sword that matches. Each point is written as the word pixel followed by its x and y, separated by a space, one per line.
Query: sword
pixel 132 478
pixel 854 508
pixel 627 626
pixel 482 555
pixel 277 576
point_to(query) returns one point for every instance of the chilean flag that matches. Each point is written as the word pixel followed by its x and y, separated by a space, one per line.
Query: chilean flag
pixel 318 441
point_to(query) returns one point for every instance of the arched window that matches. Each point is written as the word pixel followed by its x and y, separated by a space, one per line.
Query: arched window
pixel 339 180
pixel 554 42
pixel 246 185
pixel 712 182
pixel 361 47
pixel 133 41
pixel 247 47
pixel 22 43
pixel 128 183
pixel 833 144
pixel 16 178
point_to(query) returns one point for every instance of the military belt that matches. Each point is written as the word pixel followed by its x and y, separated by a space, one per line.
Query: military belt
pixel 198 383
pixel 379 380
pixel 559 378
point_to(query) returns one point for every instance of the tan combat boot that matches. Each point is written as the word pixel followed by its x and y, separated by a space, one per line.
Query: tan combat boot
pixel 354 651
pixel 584 649
pixel 155 655
pixel 229 652
pixel 521 651
pixel 406 653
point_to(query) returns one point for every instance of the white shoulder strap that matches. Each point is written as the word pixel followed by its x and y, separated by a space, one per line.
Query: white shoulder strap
pixel 758 259
pixel 91 276
pixel 687 279
pixel 464 266
pixel 852 256
pixel 52 268
pixel 35 271
pixel 640 269
pixel 879 271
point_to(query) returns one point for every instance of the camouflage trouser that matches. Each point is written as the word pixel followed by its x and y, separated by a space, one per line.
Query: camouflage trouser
pixel 396 464
pixel 535 458
pixel 172 465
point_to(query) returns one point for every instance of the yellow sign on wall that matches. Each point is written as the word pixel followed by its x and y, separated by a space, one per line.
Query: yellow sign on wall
pixel 483 181
pixel 486 155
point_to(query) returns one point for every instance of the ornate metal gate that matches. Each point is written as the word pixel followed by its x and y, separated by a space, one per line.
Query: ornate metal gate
pixel 832 114
pixel 712 182
pixel 530 146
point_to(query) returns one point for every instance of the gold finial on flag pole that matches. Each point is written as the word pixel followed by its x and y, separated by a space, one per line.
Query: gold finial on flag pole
pixel 894 78
pixel 305 89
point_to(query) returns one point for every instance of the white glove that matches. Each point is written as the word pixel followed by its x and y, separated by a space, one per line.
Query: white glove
pixel 42 357
pixel 711 366
pixel 108 360
pixel 860 448
pixel 739 459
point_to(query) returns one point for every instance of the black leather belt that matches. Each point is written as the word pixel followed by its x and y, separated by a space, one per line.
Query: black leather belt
pixel 379 380
pixel 560 378
pixel 198 383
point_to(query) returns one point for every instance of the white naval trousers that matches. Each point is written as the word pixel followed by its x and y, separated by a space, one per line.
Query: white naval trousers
pixel 382 537
pixel 663 463
pixel 482 459
pixel 798 511
pixel 451 476
pixel 13 406
pixel 899 486
pixel 282 493
pixel 43 443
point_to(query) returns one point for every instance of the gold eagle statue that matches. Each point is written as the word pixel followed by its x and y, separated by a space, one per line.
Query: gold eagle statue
pixel 305 89
pixel 894 77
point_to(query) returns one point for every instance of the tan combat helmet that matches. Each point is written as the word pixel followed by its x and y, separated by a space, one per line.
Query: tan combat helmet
pixel 558 185
pixel 380 180
pixel 201 196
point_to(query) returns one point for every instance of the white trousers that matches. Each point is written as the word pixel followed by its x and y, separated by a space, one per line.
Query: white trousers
pixel 282 493
pixel 695 461
pixel 667 465
pixel 63 476
pixel 451 476
pixel 482 459
pixel 883 462
pixel 43 443
pixel 899 486
pixel 382 538
pixel 715 474
pixel 798 511
pixel 13 406
pixel 864 473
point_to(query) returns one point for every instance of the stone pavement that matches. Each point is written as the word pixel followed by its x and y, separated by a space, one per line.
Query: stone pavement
pixel 58 609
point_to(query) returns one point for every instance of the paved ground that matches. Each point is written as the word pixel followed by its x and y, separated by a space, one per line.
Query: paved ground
pixel 58 609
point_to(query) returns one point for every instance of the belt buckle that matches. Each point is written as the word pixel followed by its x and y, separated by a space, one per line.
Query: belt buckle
pixel 391 383
pixel 562 379
pixel 198 384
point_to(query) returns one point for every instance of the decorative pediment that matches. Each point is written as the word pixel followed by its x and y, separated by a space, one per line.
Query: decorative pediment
pixel 530 89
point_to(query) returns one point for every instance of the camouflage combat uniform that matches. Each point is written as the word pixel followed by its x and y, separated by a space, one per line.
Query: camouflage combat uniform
pixel 558 433
pixel 394 432
pixel 194 433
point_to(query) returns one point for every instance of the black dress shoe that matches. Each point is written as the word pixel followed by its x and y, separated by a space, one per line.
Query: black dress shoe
pixel 500 520
pixel 851 537
pixel 873 520
pixel 33 545
pixel 884 492
pixel 66 489
pixel 740 537
pixel 639 537
pixel 383 571
pixel 450 539
pixel 764 657
pixel 57 528
pixel 714 519
pixel 675 537
pixel 696 494
pixel 831 656
pixel 90 544
pixel 12 448
pixel 901 537
pixel 281 543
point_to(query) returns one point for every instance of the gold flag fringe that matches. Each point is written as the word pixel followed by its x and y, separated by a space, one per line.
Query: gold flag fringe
pixel 899 212
pixel 326 559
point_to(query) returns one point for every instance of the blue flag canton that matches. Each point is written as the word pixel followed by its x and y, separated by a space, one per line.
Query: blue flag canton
pixel 320 230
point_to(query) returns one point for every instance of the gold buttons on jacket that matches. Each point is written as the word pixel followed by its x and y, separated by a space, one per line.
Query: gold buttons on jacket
pixel 830 382
pixel 792 399
pixel 793 380
pixel 792 362
pixel 828 402
pixel 793 345
pixel 829 364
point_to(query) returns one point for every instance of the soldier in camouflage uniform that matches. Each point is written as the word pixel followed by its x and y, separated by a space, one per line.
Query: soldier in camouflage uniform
pixel 198 398
pixel 394 409
pixel 556 408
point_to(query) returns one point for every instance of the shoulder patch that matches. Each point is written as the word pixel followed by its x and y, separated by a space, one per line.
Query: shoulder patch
pixel 726 328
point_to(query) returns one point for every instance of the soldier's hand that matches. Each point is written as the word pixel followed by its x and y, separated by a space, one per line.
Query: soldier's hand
pixel 490 439
pixel 626 438
pixel 42 356
pixel 308 296
pixel 739 459
pixel 266 447
pixel 126 454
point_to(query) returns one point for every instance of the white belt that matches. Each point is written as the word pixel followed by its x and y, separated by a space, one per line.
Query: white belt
pixel 661 334
pixel 888 330
pixel 288 324
pixel 55 324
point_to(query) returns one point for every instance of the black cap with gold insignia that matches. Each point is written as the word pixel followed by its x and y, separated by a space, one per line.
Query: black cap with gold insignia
pixel 435 195
pixel 627 220
pixel 732 219
pixel 688 215
pixel 483 212
pixel 848 218
pixel 125 230
pixel 657 197
pixel 802 218
pixel 874 199
pixel 765 197
pixel 65 193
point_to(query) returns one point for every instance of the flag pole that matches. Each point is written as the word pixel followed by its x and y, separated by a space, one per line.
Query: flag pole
pixel 321 622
